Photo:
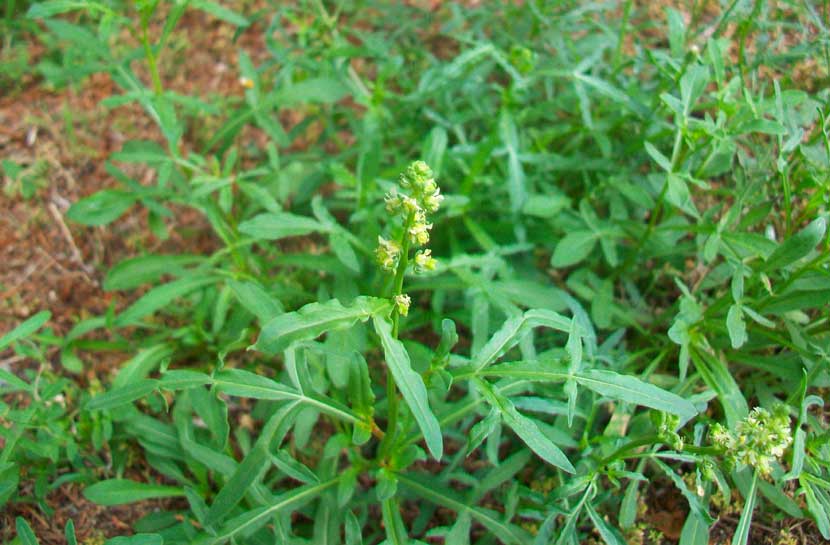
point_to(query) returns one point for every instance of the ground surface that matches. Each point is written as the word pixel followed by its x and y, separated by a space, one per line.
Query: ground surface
pixel 50 263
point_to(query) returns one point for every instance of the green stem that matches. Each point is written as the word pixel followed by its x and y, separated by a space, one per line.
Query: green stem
pixel 10 9
pixel 403 263
pixel 151 57
pixel 643 442
pixel 329 21
pixel 391 390
pixel 623 33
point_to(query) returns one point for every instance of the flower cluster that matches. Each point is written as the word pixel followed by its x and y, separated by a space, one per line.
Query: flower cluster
pixel 416 196
pixel 419 195
pixel 758 440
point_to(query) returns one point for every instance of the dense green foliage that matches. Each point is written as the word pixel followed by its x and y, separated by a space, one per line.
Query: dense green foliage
pixel 631 286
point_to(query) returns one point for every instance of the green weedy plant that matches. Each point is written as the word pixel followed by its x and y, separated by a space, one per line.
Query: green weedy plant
pixel 343 393
pixel 632 245
pixel 47 440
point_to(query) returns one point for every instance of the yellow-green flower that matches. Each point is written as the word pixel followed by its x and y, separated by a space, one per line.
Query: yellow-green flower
pixel 387 254
pixel 757 441
pixel 402 302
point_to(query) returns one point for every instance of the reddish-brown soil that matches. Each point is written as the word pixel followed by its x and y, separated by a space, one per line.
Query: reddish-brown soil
pixel 51 263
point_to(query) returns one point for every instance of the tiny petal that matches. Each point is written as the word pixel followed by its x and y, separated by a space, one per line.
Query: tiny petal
pixel 424 261
pixel 387 254
pixel 402 303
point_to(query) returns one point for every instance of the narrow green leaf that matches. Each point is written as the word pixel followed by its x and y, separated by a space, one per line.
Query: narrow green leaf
pixel 696 507
pixel 763 126
pixel 344 252
pixel 678 194
pixel 221 12
pixel 482 430
pixel 136 539
pixel 695 531
pixel 142 364
pixel 633 390
pixel 239 383
pixel 658 157
pixel 741 535
pixel 256 300
pixel 101 208
pixel 526 429
pixel 314 319
pixel 516 181
pixel 606 383
pixel 352 530
pixel 256 518
pixel 396 533
pixel 12 382
pixel 797 246
pixel 434 491
pixel 628 506
pixel 24 532
pixel 573 248
pixel 141 151
pixel 123 395
pixel 717 377
pixel 121 491
pixel 50 8
pixel 411 386
pixel 161 296
pixel 312 90
pixel 25 329
pixel 271 226
pixel 293 468
pixel 513 330
pixel 736 326
pixel 778 498
pixel 249 471
pixel 818 502
pixel 69 533
pixel 182 379
pixel 132 273
pixel 606 532
pixel 677 33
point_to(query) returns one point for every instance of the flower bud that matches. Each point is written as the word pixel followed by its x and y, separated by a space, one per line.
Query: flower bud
pixel 411 205
pixel 419 233
pixel 433 201
pixel 387 254
pixel 402 302
pixel 393 201
pixel 424 261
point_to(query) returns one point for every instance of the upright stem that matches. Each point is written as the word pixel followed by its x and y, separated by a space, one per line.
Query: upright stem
pixel 151 57
pixel 330 23
pixel 403 262
pixel 623 32
pixel 10 8
pixel 397 289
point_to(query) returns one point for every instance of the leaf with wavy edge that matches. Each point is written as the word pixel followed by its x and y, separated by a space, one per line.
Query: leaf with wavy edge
pixel 314 319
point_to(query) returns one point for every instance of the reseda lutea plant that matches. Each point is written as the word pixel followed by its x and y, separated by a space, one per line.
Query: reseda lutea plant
pixel 663 267
pixel 408 206
pixel 420 195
